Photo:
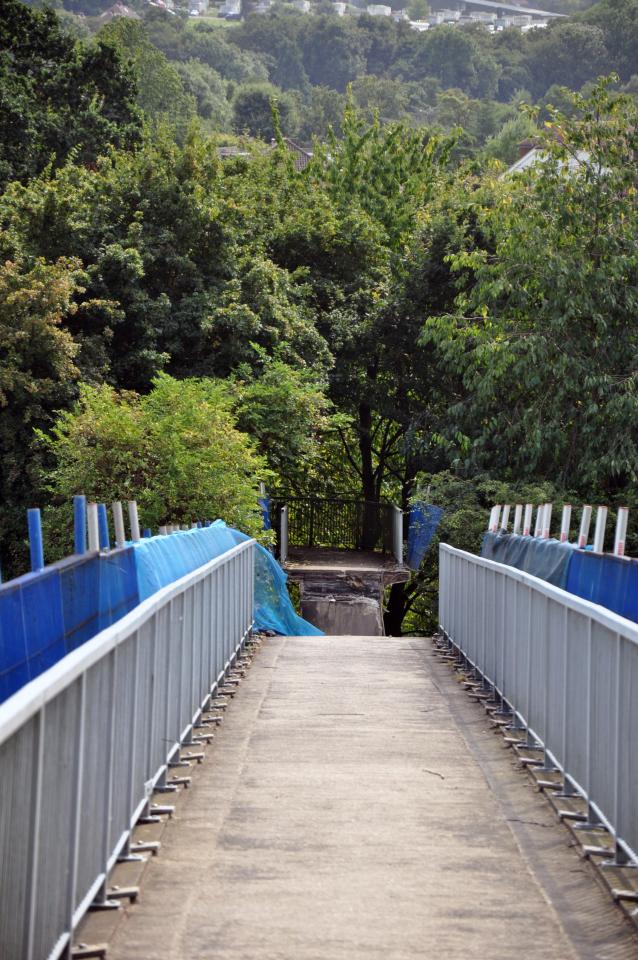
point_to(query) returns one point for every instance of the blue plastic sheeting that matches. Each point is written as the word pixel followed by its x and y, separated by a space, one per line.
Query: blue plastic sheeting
pixel 610 581
pixel 45 615
pixel 545 559
pixel 424 519
pixel 162 560
pixel 264 503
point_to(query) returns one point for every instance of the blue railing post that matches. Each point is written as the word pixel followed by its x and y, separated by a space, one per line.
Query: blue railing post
pixel 34 521
pixel 79 523
pixel 103 523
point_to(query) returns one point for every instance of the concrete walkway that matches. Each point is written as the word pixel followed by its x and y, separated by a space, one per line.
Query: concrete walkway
pixel 356 805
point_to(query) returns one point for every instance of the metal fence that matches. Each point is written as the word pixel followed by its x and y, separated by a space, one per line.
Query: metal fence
pixel 337 523
pixel 568 671
pixel 83 746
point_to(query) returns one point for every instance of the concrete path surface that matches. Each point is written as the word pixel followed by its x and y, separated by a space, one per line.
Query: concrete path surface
pixel 356 805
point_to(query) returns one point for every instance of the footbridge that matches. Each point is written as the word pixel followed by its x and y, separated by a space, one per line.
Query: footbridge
pixel 183 784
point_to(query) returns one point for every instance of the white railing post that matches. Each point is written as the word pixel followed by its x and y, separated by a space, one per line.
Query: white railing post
pixel 118 520
pixel 505 519
pixel 133 520
pixel 518 516
pixel 397 534
pixel 93 527
pixel 585 521
pixel 527 522
pixel 599 531
pixel 621 531
pixel 283 537
pixel 565 522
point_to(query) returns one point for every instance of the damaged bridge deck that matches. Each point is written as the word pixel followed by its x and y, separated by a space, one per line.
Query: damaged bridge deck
pixel 342 590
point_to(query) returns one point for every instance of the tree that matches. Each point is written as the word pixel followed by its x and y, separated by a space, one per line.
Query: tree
pixel 161 93
pixel 176 451
pixel 58 96
pixel 457 58
pixel 284 409
pixel 38 376
pixel 566 53
pixel 418 9
pixel 253 111
pixel 544 336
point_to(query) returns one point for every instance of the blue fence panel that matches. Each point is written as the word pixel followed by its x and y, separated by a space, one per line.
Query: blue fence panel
pixel 610 581
pixel 424 519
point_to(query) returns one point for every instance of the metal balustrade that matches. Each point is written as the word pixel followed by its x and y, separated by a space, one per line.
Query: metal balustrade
pixel 84 745
pixel 338 523
pixel 567 669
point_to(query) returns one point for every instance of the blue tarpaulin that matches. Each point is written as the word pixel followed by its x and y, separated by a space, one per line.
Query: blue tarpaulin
pixel 45 615
pixel 609 581
pixel 162 560
pixel 424 519
pixel 546 559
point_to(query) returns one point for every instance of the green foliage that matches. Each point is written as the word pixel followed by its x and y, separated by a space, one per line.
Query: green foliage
pixel 285 410
pixel 548 320
pixel 38 376
pixel 58 97
pixel 161 94
pixel 253 111
pixel 466 504
pixel 177 451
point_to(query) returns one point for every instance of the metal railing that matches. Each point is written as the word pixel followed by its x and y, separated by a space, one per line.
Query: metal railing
pixel 337 523
pixel 565 668
pixel 83 747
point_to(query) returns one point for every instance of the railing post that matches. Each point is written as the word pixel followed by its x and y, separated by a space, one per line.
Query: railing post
pixel 397 530
pixel 283 536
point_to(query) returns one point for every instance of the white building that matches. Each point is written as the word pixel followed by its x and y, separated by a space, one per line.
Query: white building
pixel 420 25
pixel 339 9
pixel 302 5
pixel 230 8
pixel 379 10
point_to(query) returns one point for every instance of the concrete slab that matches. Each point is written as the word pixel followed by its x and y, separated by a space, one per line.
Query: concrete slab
pixel 358 806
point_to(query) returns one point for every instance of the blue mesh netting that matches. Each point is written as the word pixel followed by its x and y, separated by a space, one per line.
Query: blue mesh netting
pixel 162 560
pixel 45 615
pixel 424 519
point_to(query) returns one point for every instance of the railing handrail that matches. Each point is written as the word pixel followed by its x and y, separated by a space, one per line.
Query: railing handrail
pixel 564 669
pixel 26 702
pixel 607 618
pixel 285 498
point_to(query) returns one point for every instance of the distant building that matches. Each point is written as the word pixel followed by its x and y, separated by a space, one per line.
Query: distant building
pixel 263 6
pixel 530 154
pixel 378 10
pixel 339 9
pixel 118 10
pixel 302 5
pixel 302 155
pixel 230 8
pixel 197 7
pixel 420 25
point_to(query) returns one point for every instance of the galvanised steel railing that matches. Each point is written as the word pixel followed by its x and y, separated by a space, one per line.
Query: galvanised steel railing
pixel 83 746
pixel 567 669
